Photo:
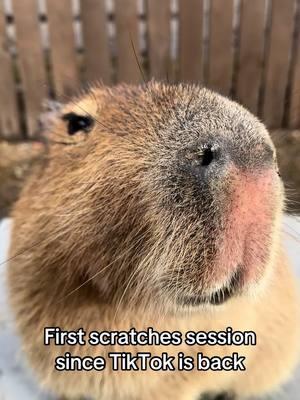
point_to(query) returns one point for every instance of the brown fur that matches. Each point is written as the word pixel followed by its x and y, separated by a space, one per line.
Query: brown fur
pixel 112 232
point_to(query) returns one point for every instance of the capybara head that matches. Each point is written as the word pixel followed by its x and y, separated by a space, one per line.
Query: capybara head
pixel 157 195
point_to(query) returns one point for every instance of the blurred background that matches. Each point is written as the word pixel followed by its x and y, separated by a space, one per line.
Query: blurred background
pixel 248 50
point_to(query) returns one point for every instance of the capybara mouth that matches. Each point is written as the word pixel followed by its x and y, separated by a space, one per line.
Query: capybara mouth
pixel 218 297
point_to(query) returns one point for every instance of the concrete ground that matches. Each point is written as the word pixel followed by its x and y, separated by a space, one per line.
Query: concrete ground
pixel 16 379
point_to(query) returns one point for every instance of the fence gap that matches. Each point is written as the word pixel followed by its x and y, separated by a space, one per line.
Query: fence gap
pixel 236 27
pixel 206 35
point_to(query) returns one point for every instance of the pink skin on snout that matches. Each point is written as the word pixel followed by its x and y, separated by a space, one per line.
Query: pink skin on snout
pixel 246 241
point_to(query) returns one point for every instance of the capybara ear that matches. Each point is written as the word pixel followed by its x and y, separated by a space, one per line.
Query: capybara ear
pixel 51 111
pixel 77 123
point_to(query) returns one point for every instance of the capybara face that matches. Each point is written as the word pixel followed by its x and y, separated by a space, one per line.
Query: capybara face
pixel 168 197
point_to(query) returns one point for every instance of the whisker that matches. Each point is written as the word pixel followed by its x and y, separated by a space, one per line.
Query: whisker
pixel 136 58
pixel 99 272
pixel 22 252
pixel 292 236
pixel 292 229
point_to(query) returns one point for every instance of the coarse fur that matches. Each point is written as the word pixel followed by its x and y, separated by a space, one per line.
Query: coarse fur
pixel 125 227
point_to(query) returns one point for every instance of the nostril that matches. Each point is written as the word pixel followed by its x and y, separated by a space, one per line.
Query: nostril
pixel 207 156
pixel 199 157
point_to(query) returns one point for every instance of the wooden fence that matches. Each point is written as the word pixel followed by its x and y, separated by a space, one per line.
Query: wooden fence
pixel 246 49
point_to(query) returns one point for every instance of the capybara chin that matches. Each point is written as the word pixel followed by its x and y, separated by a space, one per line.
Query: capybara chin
pixel 157 206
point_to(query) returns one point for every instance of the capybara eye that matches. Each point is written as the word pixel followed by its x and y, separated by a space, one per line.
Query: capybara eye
pixel 78 123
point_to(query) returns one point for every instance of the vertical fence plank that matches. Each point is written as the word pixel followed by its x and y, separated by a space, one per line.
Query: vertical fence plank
pixel 190 40
pixel 251 53
pixel 127 41
pixel 221 46
pixel 294 111
pixel 277 63
pixel 9 126
pixel 62 47
pixel 31 61
pixel 159 38
pixel 95 37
